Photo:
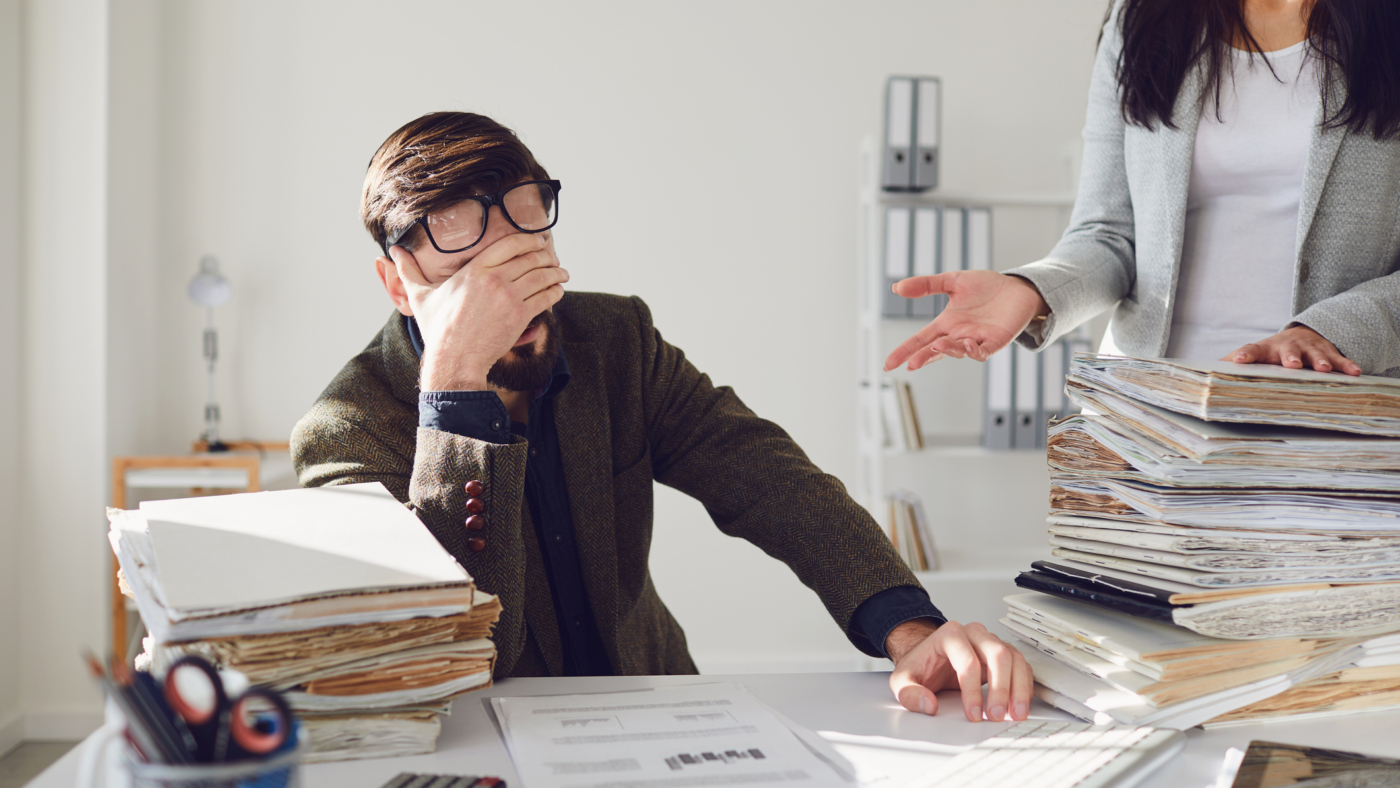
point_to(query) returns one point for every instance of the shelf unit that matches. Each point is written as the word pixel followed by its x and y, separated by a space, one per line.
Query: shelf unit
pixel 983 539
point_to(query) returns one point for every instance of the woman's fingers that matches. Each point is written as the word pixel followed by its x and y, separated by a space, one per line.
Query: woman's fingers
pixel 919 341
pixel 924 356
pixel 921 286
pixel 1246 355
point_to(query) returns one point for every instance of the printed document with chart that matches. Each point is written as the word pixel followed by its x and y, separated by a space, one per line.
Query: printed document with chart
pixel 707 734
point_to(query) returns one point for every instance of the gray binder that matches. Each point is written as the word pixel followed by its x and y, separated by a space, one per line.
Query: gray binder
pixel 897 171
pixel 927 112
pixel 1052 388
pixel 979 239
pixel 1025 384
pixel 953 246
pixel 998 414
pixel 898 234
pixel 925 262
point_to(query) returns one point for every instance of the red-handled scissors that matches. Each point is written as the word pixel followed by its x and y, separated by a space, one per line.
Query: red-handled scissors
pixel 253 725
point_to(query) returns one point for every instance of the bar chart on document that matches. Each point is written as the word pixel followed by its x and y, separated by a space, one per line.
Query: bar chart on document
pixel 924 435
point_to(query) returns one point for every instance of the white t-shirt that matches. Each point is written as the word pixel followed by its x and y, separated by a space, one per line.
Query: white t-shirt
pixel 1241 241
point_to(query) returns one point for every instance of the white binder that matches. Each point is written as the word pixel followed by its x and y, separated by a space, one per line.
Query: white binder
pixel 927 115
pixel 997 418
pixel 953 252
pixel 1026 385
pixel 979 239
pixel 925 261
pixel 897 253
pixel 898 166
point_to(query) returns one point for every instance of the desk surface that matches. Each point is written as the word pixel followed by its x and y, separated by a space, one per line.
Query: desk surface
pixel 853 703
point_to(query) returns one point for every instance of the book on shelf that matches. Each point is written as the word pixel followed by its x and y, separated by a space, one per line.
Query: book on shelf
pixel 900 416
pixel 910 533
pixel 1224 546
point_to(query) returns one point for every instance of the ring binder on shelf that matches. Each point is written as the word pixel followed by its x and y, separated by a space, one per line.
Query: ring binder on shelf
pixel 926 261
pixel 1026 385
pixel 1052 389
pixel 953 248
pixel 897 173
pixel 997 427
pixel 979 239
pixel 927 111
pixel 897 238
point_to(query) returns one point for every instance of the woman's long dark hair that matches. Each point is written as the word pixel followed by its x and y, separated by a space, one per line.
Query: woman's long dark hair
pixel 1356 39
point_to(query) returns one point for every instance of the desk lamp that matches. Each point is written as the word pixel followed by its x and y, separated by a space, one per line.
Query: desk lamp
pixel 210 289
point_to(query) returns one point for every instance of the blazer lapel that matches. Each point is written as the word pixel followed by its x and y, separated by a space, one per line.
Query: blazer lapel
pixel 1322 152
pixel 1178 146
pixel 585 448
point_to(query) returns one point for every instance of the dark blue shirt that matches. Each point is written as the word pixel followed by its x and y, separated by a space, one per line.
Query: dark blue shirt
pixel 482 416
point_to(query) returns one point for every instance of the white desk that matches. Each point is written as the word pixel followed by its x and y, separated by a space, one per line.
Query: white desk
pixel 854 703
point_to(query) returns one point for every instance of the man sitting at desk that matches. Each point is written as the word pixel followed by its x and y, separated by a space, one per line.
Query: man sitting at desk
pixel 525 426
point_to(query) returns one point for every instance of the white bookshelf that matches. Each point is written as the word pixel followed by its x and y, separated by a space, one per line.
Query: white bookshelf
pixel 986 508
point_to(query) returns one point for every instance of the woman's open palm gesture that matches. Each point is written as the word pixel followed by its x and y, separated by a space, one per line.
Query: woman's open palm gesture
pixel 985 311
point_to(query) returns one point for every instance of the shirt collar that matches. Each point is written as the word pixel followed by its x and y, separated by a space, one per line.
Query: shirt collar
pixel 558 378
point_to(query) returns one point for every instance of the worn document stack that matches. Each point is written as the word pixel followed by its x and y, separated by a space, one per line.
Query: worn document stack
pixel 337 595
pixel 1225 545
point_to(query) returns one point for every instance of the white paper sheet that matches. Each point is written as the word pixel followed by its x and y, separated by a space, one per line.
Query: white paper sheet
pixel 701 735
pixel 253 549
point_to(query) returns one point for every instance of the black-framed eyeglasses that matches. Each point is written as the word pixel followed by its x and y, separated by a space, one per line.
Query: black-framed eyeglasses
pixel 530 207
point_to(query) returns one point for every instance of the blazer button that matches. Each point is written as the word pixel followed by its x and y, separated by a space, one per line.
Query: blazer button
pixel 476 522
pixel 475 488
pixel 475 506
pixel 476 544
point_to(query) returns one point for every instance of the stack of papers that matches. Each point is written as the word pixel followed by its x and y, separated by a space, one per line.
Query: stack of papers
pixel 1225 545
pixel 337 595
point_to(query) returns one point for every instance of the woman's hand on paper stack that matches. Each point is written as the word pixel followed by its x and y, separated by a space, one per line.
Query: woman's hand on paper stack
pixel 929 658
pixel 1296 347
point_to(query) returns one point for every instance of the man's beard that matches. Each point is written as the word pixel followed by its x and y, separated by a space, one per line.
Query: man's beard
pixel 531 369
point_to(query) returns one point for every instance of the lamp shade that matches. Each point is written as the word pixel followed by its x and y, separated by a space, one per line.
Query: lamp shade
pixel 209 288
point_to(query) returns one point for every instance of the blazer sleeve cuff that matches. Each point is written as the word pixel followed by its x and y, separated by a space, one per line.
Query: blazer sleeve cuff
pixel 880 614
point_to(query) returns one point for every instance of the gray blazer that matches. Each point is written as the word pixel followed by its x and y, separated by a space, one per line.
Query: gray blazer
pixel 1124 242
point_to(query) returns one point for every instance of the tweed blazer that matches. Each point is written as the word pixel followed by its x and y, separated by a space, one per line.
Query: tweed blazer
pixel 635 411
pixel 1124 243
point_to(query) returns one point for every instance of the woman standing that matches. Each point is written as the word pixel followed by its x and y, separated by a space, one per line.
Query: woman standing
pixel 1239 199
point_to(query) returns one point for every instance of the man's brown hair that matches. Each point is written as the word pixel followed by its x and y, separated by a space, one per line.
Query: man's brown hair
pixel 435 162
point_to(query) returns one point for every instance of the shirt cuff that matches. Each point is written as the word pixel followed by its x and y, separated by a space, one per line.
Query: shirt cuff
pixel 471 414
pixel 880 614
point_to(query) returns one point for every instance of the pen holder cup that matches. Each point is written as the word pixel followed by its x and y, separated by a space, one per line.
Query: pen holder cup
pixel 282 770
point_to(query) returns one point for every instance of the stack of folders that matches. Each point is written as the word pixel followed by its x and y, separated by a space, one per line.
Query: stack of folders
pixel 928 240
pixel 1025 393
pixel 1225 542
pixel 910 533
pixel 900 418
pixel 338 596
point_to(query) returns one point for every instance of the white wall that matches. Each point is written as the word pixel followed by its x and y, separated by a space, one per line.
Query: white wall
pixel 11 727
pixel 63 369
pixel 709 155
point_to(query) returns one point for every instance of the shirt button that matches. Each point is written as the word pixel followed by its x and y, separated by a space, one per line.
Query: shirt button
pixel 476 522
pixel 475 488
pixel 534 452
pixel 496 424
pixel 475 506
pixel 476 544
pixel 558 538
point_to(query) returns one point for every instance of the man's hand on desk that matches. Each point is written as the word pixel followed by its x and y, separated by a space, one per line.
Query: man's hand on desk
pixel 928 658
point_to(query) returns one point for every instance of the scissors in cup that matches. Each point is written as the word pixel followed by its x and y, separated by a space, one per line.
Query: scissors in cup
pixel 254 724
